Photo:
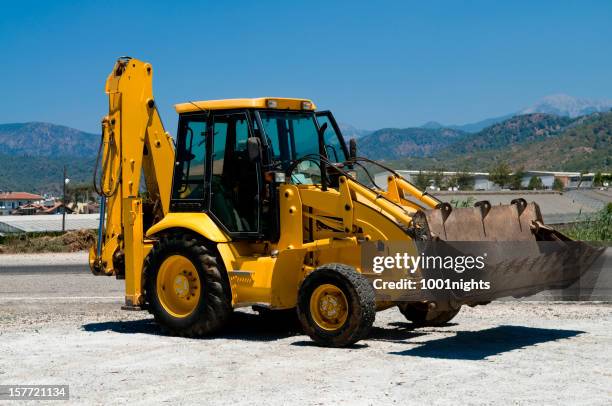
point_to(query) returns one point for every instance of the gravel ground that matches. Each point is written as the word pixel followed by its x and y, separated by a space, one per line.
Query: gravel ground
pixel 69 329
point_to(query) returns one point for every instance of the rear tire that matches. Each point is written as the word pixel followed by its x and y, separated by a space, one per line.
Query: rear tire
pixel 186 292
pixel 336 305
pixel 421 316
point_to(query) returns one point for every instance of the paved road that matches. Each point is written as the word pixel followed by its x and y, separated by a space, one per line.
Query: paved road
pixel 595 285
pixel 44 269
pixel 76 262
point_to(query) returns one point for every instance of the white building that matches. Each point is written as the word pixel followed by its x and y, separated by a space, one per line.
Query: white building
pixel 570 180
pixel 481 179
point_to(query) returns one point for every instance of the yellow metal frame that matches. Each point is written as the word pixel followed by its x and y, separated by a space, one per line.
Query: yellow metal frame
pixel 199 223
pixel 256 103
pixel 132 126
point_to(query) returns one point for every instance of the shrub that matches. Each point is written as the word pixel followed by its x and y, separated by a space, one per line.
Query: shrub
pixel 597 227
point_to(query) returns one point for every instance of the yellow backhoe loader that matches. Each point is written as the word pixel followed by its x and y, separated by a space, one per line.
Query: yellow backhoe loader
pixel 256 203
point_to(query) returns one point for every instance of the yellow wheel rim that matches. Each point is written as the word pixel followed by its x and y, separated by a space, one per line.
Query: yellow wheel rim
pixel 178 286
pixel 328 307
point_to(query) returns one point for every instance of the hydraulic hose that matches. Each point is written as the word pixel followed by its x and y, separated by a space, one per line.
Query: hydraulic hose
pixel 100 188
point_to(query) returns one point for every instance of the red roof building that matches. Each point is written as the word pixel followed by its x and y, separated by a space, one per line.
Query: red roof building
pixel 9 201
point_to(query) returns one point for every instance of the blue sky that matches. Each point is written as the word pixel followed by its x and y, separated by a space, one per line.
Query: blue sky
pixel 375 64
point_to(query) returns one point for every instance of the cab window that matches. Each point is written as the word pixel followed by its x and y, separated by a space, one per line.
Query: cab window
pixel 291 136
pixel 190 162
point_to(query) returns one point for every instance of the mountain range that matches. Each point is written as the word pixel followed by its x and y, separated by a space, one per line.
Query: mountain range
pixel 469 127
pixel 558 133
pixel 47 140
pixel 33 155
pixel 558 104
pixel 564 105
pixel 534 141
pixel 395 143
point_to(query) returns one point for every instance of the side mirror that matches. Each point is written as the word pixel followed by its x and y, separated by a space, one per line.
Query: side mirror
pixel 352 149
pixel 254 149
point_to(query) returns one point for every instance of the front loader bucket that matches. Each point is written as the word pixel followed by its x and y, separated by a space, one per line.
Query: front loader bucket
pixel 483 222
pixel 523 255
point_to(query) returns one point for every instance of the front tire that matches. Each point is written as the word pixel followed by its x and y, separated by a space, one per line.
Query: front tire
pixel 186 292
pixel 336 305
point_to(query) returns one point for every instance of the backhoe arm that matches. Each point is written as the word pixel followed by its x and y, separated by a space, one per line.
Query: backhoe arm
pixel 134 143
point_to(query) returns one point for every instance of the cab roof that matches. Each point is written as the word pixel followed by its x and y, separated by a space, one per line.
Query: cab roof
pixel 281 103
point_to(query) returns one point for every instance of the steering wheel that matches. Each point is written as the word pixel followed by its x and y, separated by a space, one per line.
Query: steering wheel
pixel 312 158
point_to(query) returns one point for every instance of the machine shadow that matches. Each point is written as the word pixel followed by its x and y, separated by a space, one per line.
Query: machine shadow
pixel 268 326
pixel 396 333
pixel 465 345
pixel 478 345
pixel 242 326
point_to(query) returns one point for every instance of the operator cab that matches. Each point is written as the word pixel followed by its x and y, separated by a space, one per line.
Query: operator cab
pixel 232 154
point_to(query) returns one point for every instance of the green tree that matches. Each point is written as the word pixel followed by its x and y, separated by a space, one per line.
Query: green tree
pixel 452 182
pixel 558 185
pixel 421 180
pixel 500 174
pixel 598 179
pixel 535 183
pixel 516 178
pixel 438 178
pixel 465 181
pixel 80 192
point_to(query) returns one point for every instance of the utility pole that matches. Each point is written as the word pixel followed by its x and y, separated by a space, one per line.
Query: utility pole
pixel 64 181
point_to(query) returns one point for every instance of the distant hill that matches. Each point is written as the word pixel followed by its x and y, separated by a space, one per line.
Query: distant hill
pixel 394 143
pixel 433 125
pixel 33 155
pixel 586 145
pixel 350 131
pixel 516 130
pixel 480 125
pixel 565 105
pixel 469 127
pixel 44 139
pixel 533 141
pixel 561 105
pixel 42 174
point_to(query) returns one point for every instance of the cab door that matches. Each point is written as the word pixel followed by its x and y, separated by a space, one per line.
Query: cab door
pixel 235 181
pixel 332 139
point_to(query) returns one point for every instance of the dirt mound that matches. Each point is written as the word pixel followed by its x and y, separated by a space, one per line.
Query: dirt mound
pixel 70 241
